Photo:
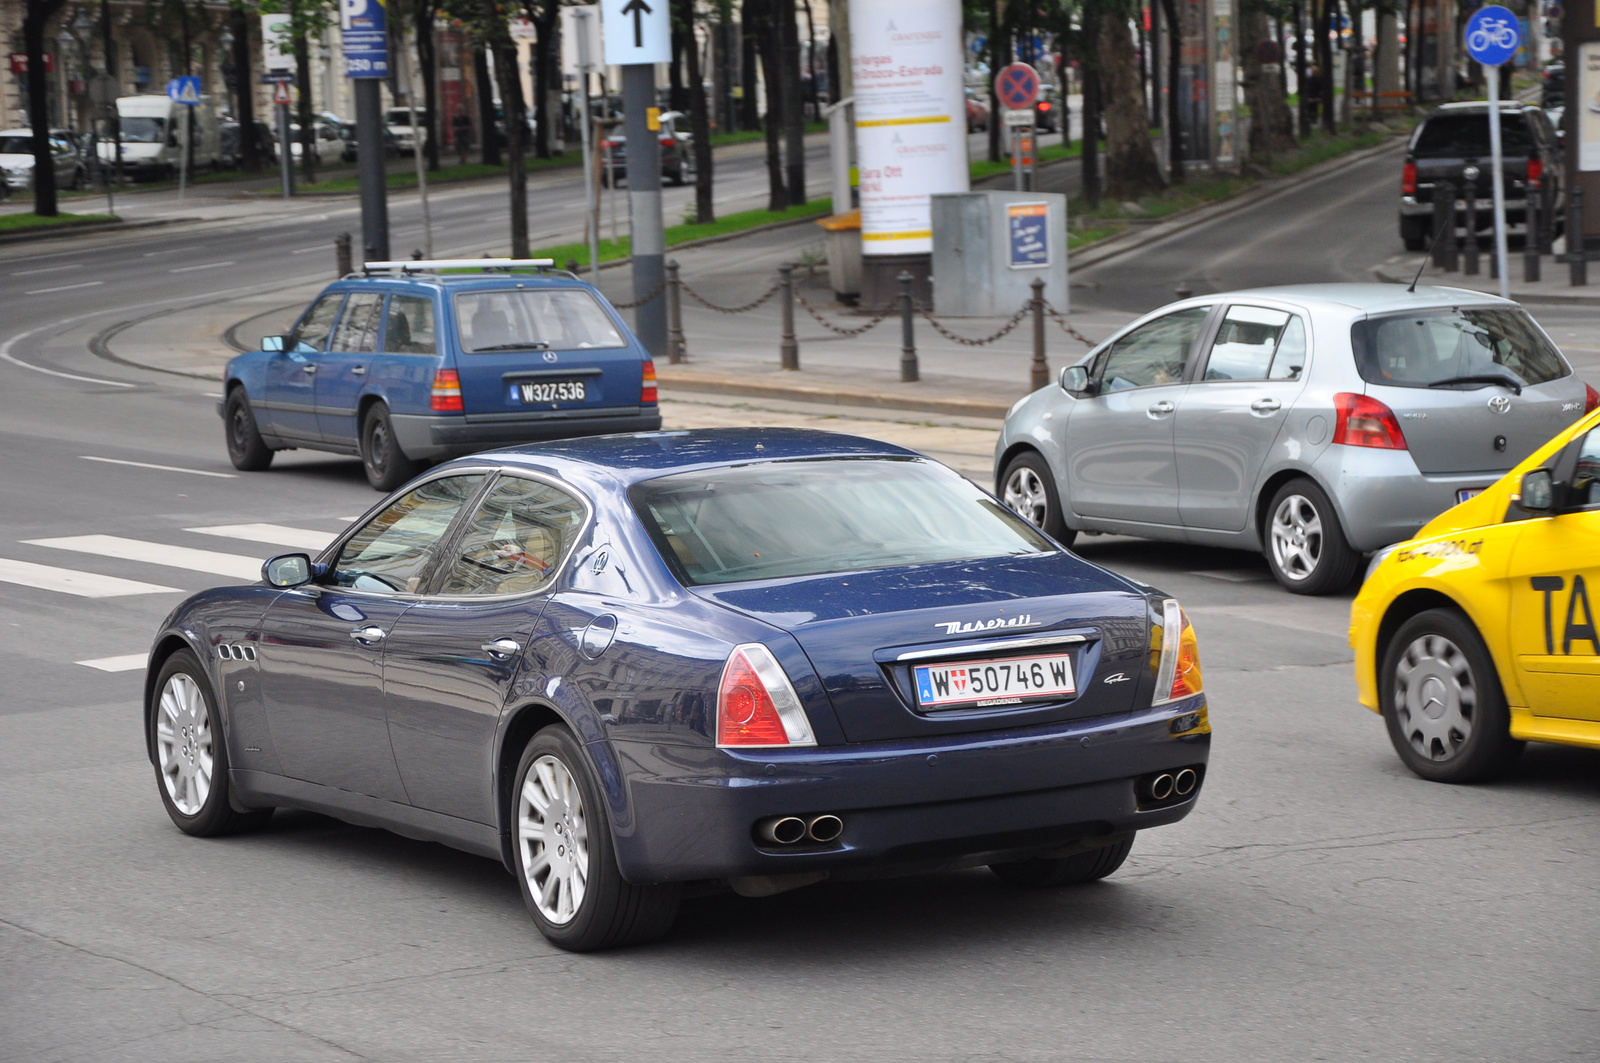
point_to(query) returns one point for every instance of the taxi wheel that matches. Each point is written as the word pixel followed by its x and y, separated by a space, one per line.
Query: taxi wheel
pixel 191 755
pixel 386 465
pixel 565 864
pixel 1028 489
pixel 1442 701
pixel 1066 870
pixel 246 449
pixel 1305 547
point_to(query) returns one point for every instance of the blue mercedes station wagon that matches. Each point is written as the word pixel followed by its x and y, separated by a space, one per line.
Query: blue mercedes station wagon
pixel 407 363
pixel 629 666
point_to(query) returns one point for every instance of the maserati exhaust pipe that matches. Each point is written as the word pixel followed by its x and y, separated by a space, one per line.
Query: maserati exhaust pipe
pixel 783 830
pixel 1161 786
pixel 1184 782
pixel 824 828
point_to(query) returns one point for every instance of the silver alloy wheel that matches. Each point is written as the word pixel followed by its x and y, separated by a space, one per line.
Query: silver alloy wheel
pixel 1025 496
pixel 553 840
pixel 183 744
pixel 1435 697
pixel 1296 535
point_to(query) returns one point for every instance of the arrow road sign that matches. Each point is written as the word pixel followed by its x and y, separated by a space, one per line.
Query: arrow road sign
pixel 636 31
pixel 1017 86
pixel 639 9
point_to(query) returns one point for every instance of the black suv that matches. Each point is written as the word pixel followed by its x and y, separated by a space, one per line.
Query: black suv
pixel 1456 136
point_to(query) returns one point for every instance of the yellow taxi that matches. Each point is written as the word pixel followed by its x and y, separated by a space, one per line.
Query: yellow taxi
pixel 1480 633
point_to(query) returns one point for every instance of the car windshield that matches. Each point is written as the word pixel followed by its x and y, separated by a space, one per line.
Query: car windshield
pixel 1467 136
pixel 16 145
pixel 1435 347
pixel 806 518
pixel 557 319
pixel 142 130
pixel 402 116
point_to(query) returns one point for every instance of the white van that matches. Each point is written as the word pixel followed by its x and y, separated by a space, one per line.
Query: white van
pixel 152 135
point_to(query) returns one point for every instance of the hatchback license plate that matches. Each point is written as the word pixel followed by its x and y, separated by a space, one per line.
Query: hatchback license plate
pixel 1468 492
pixel 552 391
pixel 996 682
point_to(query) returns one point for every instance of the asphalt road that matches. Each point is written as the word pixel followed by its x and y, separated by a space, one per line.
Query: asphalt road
pixel 1320 903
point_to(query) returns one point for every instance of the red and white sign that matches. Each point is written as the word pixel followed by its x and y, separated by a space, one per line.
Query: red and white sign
pixel 19 63
pixel 280 93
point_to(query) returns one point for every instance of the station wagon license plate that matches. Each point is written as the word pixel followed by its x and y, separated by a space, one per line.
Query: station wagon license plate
pixel 1468 492
pixel 979 684
pixel 552 391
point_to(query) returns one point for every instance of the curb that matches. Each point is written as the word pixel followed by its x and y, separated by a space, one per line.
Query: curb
pixel 56 232
pixel 1380 274
pixel 756 387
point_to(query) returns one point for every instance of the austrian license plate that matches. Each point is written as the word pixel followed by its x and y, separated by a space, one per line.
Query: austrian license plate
pixel 1467 492
pixel 552 391
pixel 979 684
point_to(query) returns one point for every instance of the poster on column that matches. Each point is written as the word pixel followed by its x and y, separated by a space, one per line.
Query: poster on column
pixel 911 128
pixel 1589 104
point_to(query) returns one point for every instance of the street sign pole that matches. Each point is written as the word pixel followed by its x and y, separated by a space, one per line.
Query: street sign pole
pixel 1499 184
pixel 364 35
pixel 280 95
pixel 1492 37
pixel 584 32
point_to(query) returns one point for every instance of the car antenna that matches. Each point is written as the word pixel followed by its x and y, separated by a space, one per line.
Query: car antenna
pixel 1436 234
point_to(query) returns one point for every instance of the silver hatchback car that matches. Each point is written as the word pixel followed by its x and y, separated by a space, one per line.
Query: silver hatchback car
pixel 1314 423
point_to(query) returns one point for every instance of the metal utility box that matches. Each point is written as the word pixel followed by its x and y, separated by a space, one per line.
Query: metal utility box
pixel 989 246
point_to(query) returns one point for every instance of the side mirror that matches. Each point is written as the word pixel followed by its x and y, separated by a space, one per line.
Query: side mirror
pixel 1075 378
pixel 1538 492
pixel 273 344
pixel 287 570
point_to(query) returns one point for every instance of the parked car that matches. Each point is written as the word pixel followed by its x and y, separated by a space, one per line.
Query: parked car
pixel 1455 137
pixel 977 114
pixel 152 135
pixel 408 365
pixel 397 121
pixel 677 150
pixel 1314 423
pixel 1048 110
pixel 1553 86
pixel 16 160
pixel 230 150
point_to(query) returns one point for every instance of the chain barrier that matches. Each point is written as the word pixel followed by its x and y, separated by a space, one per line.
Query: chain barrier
pixel 746 308
pixel 657 290
pixel 1061 319
pixel 1005 330
pixel 830 326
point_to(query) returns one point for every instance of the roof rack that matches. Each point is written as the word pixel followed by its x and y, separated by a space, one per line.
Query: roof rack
pixel 434 265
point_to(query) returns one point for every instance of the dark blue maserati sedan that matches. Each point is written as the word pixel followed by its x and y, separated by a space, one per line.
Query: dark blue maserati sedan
pixel 748 657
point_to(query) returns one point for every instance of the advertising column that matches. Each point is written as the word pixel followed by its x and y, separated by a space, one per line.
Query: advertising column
pixel 911 134
pixel 365 37
pixel 1581 37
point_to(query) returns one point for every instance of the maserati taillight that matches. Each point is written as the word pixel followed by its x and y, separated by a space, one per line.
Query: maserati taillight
pixel 756 706
pixel 1175 652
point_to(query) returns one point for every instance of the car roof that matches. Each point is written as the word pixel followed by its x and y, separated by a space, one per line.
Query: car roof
pixel 1483 105
pixel 499 280
pixel 1371 298
pixel 642 456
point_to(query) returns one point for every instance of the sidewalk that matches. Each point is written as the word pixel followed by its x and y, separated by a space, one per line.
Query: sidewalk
pixel 1554 288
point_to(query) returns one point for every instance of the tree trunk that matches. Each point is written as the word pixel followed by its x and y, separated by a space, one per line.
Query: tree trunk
pixel 1169 9
pixel 999 55
pixel 505 65
pixel 766 35
pixel 487 136
pixel 1268 111
pixel 428 63
pixel 1131 169
pixel 1303 126
pixel 546 62
pixel 749 68
pixel 677 97
pixel 1090 164
pixel 1325 51
pixel 794 124
pixel 249 149
pixel 699 125
pixel 308 141
pixel 39 13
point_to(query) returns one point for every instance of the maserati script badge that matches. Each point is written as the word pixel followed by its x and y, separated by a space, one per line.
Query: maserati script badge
pixel 1118 677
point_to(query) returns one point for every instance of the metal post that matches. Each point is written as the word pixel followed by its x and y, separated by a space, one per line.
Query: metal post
pixel 1577 249
pixel 183 157
pixel 369 168
pixel 675 345
pixel 1547 221
pixel 341 253
pixel 788 346
pixel 417 133
pixel 1499 184
pixel 1469 263
pixel 648 246
pixel 1452 249
pixel 1531 228
pixel 1040 373
pixel 285 153
pixel 839 153
pixel 908 337
pixel 591 194
pixel 1443 216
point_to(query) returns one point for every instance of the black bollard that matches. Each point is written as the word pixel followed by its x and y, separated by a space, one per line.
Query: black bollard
pixel 788 347
pixel 1039 372
pixel 908 337
pixel 1469 257
pixel 1577 249
pixel 1531 233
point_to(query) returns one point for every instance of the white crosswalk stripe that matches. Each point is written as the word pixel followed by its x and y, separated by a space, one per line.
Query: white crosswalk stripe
pixel 234 565
pixel 125 663
pixel 71 581
pixel 303 538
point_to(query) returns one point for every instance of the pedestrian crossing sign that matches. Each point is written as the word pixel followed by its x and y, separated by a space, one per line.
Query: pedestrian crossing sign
pixel 185 90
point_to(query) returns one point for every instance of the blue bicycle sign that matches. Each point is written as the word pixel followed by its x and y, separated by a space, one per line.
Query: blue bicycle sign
pixel 1492 35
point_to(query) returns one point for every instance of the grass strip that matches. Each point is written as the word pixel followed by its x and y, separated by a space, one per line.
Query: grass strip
pixel 611 250
pixel 10 223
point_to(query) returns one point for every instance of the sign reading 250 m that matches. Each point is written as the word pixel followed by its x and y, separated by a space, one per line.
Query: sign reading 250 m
pixel 364 35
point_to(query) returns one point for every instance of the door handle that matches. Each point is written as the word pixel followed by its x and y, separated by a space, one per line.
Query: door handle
pixel 502 648
pixel 358 370
pixel 1162 407
pixel 1265 405
pixel 369 636
pixel 308 369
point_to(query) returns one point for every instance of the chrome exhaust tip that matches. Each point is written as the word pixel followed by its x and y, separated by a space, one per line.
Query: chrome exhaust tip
pixel 1184 782
pixel 784 830
pixel 1161 786
pixel 824 828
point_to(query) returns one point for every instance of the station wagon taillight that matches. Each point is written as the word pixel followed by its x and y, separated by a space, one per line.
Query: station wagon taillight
pixel 647 389
pixel 1535 171
pixel 446 396
pixel 1408 179
pixel 1363 421
pixel 756 706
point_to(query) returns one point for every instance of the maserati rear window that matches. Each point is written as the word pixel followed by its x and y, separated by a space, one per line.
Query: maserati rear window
pixel 817 516
pixel 1454 347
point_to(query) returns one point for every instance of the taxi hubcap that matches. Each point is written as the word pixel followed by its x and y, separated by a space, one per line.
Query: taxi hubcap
pixel 553 840
pixel 1434 697
pixel 1296 537
pixel 1025 496
pixel 183 744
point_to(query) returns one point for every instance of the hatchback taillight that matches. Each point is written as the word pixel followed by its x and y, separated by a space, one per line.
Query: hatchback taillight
pixel 647 389
pixel 446 397
pixel 1408 179
pixel 1591 398
pixel 1362 421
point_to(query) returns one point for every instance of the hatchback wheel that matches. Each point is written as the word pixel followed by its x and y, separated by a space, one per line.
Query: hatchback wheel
pixel 1029 490
pixel 386 465
pixel 1442 701
pixel 191 756
pixel 1305 546
pixel 566 866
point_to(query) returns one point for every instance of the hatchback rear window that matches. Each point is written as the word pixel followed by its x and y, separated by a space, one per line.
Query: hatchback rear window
pixel 1438 347
pixel 1467 136
pixel 523 319
pixel 806 518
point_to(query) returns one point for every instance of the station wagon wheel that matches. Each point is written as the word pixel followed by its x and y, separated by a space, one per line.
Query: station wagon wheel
pixel 1028 489
pixel 246 449
pixel 565 861
pixel 1442 700
pixel 385 464
pixel 1305 546
pixel 190 754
